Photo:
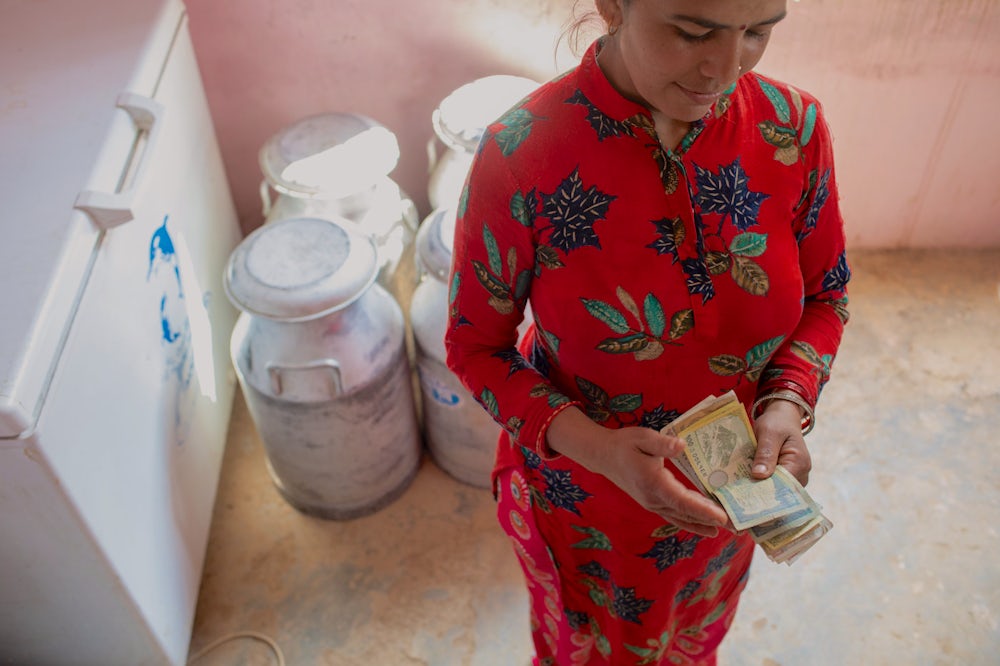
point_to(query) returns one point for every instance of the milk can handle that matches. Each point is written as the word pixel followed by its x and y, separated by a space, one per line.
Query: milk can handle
pixel 275 370
pixel 265 198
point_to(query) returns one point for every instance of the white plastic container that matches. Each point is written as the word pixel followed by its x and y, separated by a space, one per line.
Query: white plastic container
pixel 337 165
pixel 320 355
pixel 459 123
pixel 461 436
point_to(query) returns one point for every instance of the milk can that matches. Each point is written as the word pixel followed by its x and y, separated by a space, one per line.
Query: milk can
pixel 320 356
pixel 459 123
pixel 337 164
pixel 460 435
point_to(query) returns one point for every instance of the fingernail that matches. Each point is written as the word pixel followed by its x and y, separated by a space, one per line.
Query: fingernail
pixel 760 469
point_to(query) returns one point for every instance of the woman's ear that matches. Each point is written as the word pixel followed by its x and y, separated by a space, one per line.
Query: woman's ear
pixel 611 11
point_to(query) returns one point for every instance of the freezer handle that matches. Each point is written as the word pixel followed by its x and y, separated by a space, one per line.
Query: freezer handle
pixel 275 371
pixel 110 209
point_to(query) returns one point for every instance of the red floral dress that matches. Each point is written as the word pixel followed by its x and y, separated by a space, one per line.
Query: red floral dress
pixel 655 278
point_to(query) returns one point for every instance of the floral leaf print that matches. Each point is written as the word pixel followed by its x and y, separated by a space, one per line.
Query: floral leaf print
pixel 836 278
pixel 777 101
pixel 489 402
pixel 546 257
pixel 840 308
pixel 552 396
pixel 596 539
pixel 819 200
pixel 628 302
pixel 522 207
pixel 627 606
pixel 492 251
pixel 517 128
pixel 499 292
pixel 463 202
pixel 796 99
pixel 681 323
pixel 750 276
pixel 658 418
pixel 748 244
pixel 687 591
pixel 727 365
pixel 514 360
pixel 514 425
pixel 664 531
pixel 561 491
pixel 810 186
pixel 667 552
pixel 758 357
pixel 652 654
pixel 605 126
pixel 626 402
pixel 670 235
pixel 608 314
pixel 820 364
pixel 594 570
pixel 808 126
pixel 752 365
pixel 718 263
pixel 456 282
pixel 573 210
pixel 625 345
pixel 784 139
pixel 728 194
pixel 655 318
pixel 592 393
pixel 698 279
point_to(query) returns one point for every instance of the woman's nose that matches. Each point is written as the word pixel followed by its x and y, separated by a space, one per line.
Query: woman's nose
pixel 723 62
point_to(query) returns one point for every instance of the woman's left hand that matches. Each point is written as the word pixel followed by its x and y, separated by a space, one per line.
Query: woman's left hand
pixel 780 442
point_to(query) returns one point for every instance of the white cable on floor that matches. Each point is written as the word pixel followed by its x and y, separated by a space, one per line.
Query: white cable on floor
pixel 240 634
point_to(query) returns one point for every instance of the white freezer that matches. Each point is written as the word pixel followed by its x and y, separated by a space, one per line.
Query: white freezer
pixel 115 383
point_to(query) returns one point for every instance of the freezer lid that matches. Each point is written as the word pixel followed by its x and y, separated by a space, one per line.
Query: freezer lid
pixel 77 87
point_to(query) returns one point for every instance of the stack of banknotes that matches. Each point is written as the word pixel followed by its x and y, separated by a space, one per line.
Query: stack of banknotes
pixel 778 512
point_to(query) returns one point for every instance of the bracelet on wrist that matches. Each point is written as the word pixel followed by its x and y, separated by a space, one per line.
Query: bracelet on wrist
pixel 808 420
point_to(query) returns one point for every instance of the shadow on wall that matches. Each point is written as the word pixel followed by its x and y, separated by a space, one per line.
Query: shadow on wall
pixel 269 64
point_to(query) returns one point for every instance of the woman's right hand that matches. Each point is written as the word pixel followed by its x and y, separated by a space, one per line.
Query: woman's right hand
pixel 634 460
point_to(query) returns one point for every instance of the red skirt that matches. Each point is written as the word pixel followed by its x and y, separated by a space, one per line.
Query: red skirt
pixel 611 583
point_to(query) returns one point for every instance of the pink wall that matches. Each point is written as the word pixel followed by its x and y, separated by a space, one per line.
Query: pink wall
pixel 910 89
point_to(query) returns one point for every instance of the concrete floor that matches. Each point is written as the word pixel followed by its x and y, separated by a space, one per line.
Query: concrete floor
pixel 906 461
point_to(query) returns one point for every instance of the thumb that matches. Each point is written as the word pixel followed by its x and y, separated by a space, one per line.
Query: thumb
pixel 661 446
pixel 765 458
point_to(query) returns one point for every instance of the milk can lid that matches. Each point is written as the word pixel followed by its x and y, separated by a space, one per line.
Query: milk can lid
pixel 300 268
pixel 331 155
pixel 435 242
pixel 462 117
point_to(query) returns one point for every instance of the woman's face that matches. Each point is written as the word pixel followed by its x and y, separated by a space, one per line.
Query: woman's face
pixel 676 57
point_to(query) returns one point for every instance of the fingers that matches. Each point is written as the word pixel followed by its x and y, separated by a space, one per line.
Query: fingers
pixel 660 446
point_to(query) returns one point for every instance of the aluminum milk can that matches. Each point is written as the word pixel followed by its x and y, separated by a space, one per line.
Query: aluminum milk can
pixel 459 123
pixel 320 356
pixel 460 435
pixel 337 164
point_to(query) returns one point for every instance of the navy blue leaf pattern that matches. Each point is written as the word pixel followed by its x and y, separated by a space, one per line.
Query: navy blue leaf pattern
pixel 627 606
pixel 666 242
pixel 658 418
pixel 605 126
pixel 573 209
pixel 698 279
pixel 594 569
pixel 728 194
pixel 837 278
pixel 722 559
pixel 514 359
pixel 819 200
pixel 666 552
pixel 561 491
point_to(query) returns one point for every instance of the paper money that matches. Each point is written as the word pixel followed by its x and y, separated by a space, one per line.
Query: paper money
pixel 781 516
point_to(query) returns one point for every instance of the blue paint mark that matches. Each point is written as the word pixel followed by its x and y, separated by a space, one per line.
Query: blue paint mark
pixel 175 329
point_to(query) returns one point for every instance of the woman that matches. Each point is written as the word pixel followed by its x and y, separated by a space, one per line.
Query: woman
pixel 673 219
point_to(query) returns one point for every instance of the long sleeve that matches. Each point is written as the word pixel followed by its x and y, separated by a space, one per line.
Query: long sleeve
pixel 493 265
pixel 803 362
